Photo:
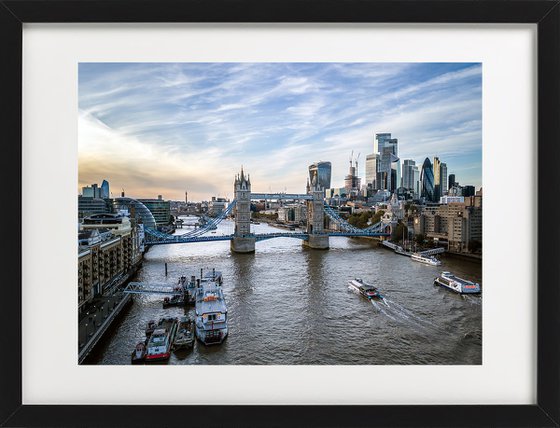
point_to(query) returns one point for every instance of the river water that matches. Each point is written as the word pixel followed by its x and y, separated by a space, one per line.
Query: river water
pixel 288 304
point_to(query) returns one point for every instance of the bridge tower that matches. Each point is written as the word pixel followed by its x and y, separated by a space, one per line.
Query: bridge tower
pixel 316 218
pixel 243 241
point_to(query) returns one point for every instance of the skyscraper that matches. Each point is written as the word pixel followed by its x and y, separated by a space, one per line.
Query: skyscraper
pixel 388 175
pixel 105 194
pixel 379 142
pixel 408 174
pixel 416 181
pixel 437 178
pixel 320 173
pixel 451 181
pixel 427 178
pixel 443 178
pixel 371 168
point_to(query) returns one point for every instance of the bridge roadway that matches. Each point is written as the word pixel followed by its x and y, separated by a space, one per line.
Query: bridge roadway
pixel 258 237
pixel 278 196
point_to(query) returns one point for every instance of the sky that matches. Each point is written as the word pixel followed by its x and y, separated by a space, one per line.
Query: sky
pixel 166 128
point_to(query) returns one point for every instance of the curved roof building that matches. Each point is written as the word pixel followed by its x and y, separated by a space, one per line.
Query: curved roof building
pixel 427 178
pixel 136 209
pixel 320 173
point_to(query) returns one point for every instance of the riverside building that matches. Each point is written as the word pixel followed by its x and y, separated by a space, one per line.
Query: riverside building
pixel 110 247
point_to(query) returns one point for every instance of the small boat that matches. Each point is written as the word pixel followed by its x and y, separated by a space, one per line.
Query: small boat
pixel 185 334
pixel 456 284
pixel 175 300
pixel 159 343
pixel 429 260
pixel 139 353
pixel 366 290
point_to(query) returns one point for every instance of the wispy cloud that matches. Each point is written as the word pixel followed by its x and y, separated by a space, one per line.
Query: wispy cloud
pixel 166 128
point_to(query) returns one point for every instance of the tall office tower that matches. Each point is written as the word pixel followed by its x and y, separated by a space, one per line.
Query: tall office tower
pixel 437 170
pixel 372 162
pixel 443 178
pixel 104 190
pixel 379 142
pixel 320 173
pixel 416 181
pixel 451 181
pixel 427 178
pixel 388 173
pixel 186 197
pixel 408 174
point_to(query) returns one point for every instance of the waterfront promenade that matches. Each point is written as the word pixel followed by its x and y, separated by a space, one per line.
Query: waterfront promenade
pixel 95 322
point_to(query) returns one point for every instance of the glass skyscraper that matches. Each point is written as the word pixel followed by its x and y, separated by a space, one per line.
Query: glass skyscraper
pixel 443 178
pixel 320 173
pixel 371 168
pixel 388 175
pixel 105 189
pixel 427 178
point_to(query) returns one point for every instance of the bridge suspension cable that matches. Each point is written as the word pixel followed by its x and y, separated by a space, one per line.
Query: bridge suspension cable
pixel 211 225
pixel 333 215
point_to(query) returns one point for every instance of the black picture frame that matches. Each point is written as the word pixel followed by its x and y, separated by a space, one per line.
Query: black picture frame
pixel 545 14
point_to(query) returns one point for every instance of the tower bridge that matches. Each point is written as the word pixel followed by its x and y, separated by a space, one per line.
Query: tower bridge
pixel 243 240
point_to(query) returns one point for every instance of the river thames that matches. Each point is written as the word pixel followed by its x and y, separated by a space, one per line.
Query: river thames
pixel 288 304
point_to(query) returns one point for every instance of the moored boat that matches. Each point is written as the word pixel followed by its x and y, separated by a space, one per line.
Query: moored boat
pixel 211 310
pixel 175 300
pixel 139 353
pixel 456 284
pixel 159 343
pixel 365 289
pixel 152 324
pixel 429 260
pixel 185 334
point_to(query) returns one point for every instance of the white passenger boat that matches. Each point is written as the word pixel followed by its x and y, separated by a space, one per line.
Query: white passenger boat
pixel 456 284
pixel 367 290
pixel 211 310
pixel 429 260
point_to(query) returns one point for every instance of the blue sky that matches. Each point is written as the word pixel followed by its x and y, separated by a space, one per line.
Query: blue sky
pixel 163 128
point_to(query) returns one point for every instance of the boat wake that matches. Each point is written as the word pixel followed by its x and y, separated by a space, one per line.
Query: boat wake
pixel 473 300
pixel 382 310
pixel 400 314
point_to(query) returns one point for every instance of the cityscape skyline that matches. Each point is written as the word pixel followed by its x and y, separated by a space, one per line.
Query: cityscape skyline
pixel 169 128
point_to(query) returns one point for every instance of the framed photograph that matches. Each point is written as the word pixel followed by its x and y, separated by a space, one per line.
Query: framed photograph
pixel 297 213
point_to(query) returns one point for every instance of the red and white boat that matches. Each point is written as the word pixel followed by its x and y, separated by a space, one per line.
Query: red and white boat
pixel 159 343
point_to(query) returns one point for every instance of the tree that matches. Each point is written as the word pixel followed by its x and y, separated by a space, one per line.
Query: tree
pixel 377 216
pixel 359 220
pixel 399 231
pixel 420 238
